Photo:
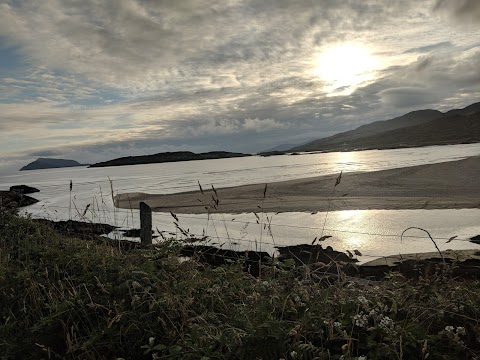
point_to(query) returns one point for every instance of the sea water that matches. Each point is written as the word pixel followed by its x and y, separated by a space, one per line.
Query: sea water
pixel 373 232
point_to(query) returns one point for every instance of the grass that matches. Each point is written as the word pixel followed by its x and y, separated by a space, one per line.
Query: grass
pixel 68 298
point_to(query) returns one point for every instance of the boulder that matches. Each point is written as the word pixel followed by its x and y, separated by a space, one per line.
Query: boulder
pixel 475 239
pixel 13 200
pixel 24 189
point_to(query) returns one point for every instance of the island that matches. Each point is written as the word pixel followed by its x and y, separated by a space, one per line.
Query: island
pixel 168 157
pixel 49 163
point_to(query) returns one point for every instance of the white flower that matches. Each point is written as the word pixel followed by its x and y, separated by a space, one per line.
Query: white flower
pixel 360 320
pixel 362 300
pixel 136 285
pixel 461 330
pixel 449 328
pixel 362 357
pixel 386 324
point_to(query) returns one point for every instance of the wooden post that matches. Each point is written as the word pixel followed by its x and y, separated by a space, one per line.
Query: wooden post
pixel 145 224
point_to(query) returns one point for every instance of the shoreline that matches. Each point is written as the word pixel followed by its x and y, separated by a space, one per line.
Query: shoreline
pixel 446 185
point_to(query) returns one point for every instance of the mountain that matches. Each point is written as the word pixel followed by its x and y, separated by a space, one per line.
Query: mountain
pixel 417 128
pixel 47 163
pixel 469 110
pixel 168 157
pixel 282 147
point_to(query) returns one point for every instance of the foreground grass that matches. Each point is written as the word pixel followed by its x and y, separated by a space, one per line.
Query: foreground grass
pixel 68 298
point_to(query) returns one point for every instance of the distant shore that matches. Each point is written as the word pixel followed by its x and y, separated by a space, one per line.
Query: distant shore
pixel 167 157
pixel 448 185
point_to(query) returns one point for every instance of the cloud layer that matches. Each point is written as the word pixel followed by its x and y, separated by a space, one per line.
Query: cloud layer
pixel 94 80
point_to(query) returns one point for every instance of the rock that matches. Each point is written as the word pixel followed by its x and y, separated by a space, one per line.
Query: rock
pixel 13 200
pixel 459 263
pixel 79 227
pixel 309 254
pixel 89 231
pixel 475 239
pixel 24 189
pixel 134 233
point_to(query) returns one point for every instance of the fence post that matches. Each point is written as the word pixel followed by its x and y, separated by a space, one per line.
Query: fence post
pixel 145 224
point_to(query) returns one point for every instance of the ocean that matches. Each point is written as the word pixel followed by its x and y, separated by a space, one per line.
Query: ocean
pixel 374 233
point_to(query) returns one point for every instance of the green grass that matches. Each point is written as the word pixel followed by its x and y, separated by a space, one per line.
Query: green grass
pixel 76 299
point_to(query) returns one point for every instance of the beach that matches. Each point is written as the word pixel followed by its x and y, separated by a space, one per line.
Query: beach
pixel 447 185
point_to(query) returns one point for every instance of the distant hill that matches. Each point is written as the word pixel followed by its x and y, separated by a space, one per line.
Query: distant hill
pixel 282 147
pixel 417 128
pixel 168 157
pixel 469 110
pixel 47 163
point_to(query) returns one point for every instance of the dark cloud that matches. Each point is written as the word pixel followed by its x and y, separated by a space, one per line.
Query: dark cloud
pixel 462 10
pixel 45 153
pixel 428 48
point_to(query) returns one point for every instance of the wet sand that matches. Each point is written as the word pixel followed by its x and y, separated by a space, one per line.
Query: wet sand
pixel 448 185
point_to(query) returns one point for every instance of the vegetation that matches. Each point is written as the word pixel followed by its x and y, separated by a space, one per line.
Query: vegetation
pixel 68 298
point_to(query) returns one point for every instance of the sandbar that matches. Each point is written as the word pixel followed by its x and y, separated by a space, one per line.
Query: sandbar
pixel 446 185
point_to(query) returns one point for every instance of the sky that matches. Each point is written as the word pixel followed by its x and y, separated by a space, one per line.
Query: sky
pixel 92 80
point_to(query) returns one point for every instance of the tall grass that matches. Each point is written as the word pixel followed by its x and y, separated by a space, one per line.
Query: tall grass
pixel 63 297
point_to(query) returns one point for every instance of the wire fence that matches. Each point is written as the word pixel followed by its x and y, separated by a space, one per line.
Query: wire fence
pixel 92 201
pixel 272 224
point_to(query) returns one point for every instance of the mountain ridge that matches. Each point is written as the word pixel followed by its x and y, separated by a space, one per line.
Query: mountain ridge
pixel 412 129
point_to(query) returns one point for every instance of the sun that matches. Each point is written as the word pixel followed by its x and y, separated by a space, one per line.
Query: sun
pixel 345 66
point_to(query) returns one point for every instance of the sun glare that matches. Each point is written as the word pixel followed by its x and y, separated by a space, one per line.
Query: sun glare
pixel 344 67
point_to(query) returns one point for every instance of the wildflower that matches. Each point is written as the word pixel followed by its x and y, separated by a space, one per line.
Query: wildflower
pixel 360 320
pixel 362 300
pixel 362 357
pixel 386 323
pixel 455 334
pixel 136 285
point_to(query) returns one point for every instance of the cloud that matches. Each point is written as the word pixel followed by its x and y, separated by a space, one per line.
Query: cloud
pixel 462 10
pixel 428 48
pixel 143 44
pixel 408 97
pixel 112 78
pixel 45 153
